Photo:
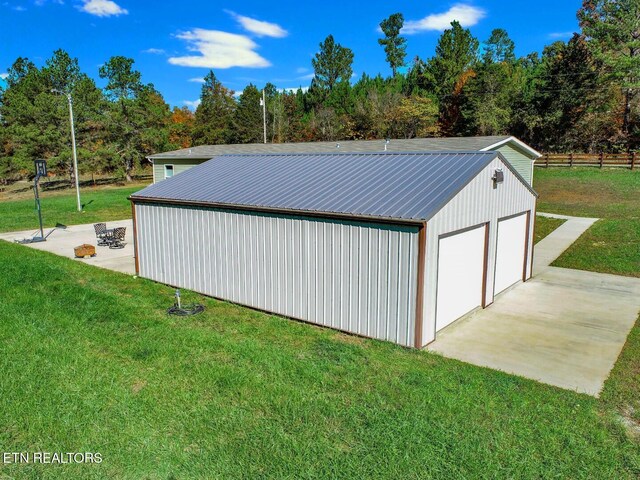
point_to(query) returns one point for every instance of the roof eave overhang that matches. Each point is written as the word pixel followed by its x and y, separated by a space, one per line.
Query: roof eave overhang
pixel 178 157
pixel 534 153
pixel 416 222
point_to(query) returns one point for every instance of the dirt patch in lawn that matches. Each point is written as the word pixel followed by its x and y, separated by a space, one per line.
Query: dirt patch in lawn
pixel 138 385
pixel 630 424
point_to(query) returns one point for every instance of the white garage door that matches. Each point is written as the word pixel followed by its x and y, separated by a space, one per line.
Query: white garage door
pixel 460 272
pixel 510 251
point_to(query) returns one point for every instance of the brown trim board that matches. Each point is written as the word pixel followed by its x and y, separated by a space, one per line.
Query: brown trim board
pixel 485 267
pixel 495 258
pixel 526 246
pixel 422 246
pixel 533 234
pixel 135 238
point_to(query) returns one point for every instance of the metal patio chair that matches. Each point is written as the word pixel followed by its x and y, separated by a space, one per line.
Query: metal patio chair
pixel 101 234
pixel 116 239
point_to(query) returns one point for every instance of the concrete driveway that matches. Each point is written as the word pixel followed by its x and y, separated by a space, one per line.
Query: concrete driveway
pixel 61 242
pixel 563 327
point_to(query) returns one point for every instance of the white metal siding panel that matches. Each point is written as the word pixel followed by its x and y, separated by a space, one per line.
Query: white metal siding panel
pixel 357 277
pixel 518 160
pixel 475 204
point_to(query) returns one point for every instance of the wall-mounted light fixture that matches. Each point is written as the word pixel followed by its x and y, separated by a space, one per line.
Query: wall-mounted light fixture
pixel 498 177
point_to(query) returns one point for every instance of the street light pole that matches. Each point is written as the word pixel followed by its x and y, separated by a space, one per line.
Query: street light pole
pixel 75 154
pixel 264 116
pixel 73 146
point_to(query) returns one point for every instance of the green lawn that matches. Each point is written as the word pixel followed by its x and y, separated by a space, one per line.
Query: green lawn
pixel 544 226
pixel 612 245
pixel 99 204
pixel 588 192
pixel 90 362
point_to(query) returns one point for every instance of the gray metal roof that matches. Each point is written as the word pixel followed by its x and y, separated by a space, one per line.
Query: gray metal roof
pixel 400 145
pixel 406 187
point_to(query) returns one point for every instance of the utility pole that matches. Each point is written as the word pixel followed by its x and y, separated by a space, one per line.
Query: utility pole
pixel 73 145
pixel 263 102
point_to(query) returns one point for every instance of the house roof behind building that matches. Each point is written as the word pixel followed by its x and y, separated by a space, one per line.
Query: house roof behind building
pixel 354 146
pixel 405 187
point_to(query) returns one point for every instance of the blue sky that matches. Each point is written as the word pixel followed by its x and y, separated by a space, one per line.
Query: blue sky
pixel 176 43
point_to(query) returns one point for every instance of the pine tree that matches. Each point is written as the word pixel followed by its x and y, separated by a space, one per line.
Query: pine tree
pixel 35 120
pixel 138 117
pixel 562 97
pixel 448 72
pixel 488 95
pixel 613 30
pixel 394 45
pixel 248 121
pixel 332 64
pixel 499 48
pixel 214 116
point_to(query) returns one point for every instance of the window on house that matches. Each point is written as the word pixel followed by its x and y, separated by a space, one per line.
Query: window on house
pixel 168 171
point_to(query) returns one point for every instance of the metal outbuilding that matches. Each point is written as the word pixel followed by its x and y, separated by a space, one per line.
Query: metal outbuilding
pixel 393 246
pixel 520 155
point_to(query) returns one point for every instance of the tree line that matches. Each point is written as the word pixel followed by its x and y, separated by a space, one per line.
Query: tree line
pixel 579 95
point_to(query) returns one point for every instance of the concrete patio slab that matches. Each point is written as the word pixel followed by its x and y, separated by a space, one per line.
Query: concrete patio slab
pixel 552 246
pixel 564 328
pixel 61 242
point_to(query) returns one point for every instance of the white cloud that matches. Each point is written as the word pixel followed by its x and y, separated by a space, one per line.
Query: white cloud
pixel 557 35
pixel 259 28
pixel 197 80
pixel 192 104
pixel 467 15
pixel 103 8
pixel 219 50
pixel 302 70
pixel 3 76
pixel 308 76
pixel 154 51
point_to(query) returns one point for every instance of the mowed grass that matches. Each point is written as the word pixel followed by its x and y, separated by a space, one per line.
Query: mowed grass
pixel 544 226
pixel 588 192
pixel 100 204
pixel 91 362
pixel 609 246
pixel 612 245
pixel 622 390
